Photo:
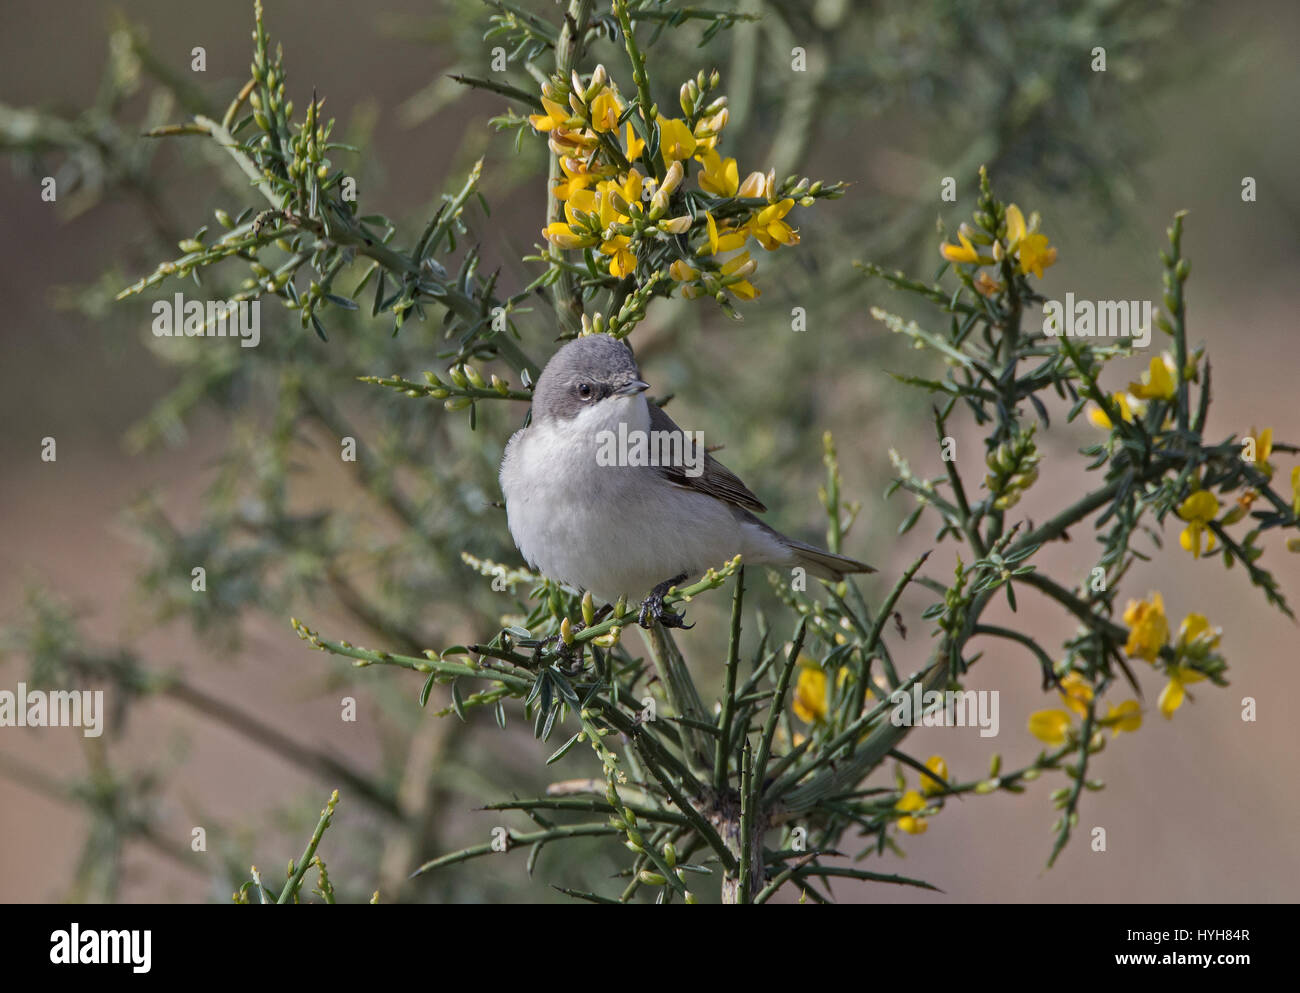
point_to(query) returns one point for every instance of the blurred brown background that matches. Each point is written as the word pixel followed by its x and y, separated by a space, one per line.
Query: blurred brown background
pixel 1198 808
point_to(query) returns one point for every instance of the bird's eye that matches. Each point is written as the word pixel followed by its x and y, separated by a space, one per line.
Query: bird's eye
pixel 584 390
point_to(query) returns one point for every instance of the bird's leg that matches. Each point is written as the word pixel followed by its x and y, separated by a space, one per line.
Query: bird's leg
pixel 554 643
pixel 653 609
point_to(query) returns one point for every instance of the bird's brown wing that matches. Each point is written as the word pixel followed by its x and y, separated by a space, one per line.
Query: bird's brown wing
pixel 716 480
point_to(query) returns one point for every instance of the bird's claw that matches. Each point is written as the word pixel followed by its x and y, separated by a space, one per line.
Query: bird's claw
pixel 653 610
pixel 554 646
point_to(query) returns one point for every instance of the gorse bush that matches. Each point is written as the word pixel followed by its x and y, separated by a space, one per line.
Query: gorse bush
pixel 651 199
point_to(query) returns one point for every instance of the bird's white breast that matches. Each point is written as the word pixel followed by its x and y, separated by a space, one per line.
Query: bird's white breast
pixel 612 529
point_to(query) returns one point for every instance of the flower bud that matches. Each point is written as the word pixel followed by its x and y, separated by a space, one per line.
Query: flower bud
pixel 672 179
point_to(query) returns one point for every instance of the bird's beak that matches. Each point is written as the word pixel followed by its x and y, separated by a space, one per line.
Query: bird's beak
pixel 632 388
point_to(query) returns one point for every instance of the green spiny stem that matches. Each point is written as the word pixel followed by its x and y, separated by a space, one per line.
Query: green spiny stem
pixel 637 61
pixel 778 704
pixel 722 746
pixel 750 871
pixel 516 839
pixel 705 830
pixel 347 233
pixel 290 891
pixel 529 100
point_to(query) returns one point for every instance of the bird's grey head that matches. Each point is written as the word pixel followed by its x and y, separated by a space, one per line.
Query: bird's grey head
pixel 586 371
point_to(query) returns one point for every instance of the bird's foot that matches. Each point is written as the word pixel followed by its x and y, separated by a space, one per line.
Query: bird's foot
pixel 653 609
pixel 552 648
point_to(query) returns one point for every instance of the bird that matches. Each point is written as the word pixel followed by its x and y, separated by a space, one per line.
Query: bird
pixel 588 508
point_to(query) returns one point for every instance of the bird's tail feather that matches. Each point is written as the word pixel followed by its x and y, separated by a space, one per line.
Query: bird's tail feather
pixel 825 564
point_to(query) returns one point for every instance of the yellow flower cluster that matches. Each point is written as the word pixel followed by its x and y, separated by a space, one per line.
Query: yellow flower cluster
pixel 1200 507
pixel 609 204
pixel 810 694
pixel 1021 242
pixel 1157 383
pixel 1198 510
pixel 1149 633
pixel 1053 727
pixel 911 803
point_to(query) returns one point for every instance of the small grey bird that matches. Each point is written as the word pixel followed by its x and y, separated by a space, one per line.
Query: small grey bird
pixel 619 526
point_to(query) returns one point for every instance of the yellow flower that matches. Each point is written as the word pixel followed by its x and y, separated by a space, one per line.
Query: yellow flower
pixel 1049 726
pixel 1101 420
pixel 720 176
pixel 1295 490
pixel 910 803
pixel 1126 717
pixel 631 186
pixel 582 202
pixel 1148 627
pixel 724 240
pixel 611 205
pixel 634 145
pixel 1077 693
pixel 1157 382
pixel 676 142
pixel 930 785
pixel 770 230
pixel 1263 449
pixel 965 253
pixel 1015 227
pixel 735 276
pixel 578 175
pixel 707 129
pixel 622 261
pixel 672 179
pixel 561 235
pixel 756 185
pixel 681 272
pixel 1196 635
pixel 556 116
pixel 1171 697
pixel 810 695
pixel 1263 443
pixel 578 144
pixel 1036 254
pixel 1198 510
pixel 605 110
